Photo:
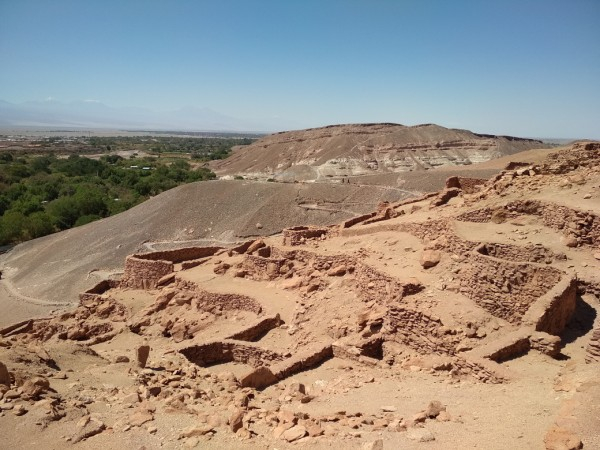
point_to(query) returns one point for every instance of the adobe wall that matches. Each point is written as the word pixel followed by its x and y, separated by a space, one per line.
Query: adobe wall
pixel 505 289
pixel 142 273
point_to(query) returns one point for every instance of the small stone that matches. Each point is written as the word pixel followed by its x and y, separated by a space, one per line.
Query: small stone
pixel 430 258
pixel 444 416
pixel 140 417
pixel 198 430
pixel 121 359
pixel 375 445
pixel 419 417
pixel 420 435
pixel 191 442
pixel 35 386
pixel 236 420
pixel 434 409
pixel 4 376
pixel 152 429
pixel 294 433
pixel 558 438
pixel 19 410
pixel 93 427
pixel 337 271
pixel 388 408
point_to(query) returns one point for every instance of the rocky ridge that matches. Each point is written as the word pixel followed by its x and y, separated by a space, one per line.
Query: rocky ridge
pixel 340 151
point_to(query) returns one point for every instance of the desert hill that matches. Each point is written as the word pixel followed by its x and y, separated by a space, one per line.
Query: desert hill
pixel 350 150
pixel 464 318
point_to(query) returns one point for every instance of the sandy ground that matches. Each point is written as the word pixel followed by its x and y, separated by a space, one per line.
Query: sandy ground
pixel 539 392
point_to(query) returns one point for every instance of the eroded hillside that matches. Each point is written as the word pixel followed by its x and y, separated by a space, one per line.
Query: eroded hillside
pixel 348 150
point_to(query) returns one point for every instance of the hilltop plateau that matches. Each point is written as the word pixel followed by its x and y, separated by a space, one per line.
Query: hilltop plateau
pixel 462 318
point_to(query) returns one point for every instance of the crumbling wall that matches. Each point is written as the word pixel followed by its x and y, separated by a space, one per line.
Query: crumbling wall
pixel 219 352
pixel 584 226
pixel 593 348
pixel 180 254
pixel 258 329
pixel 419 331
pixel 530 253
pixel 211 301
pixel 465 184
pixel 351 222
pixel 503 288
pixel 299 235
pixel 305 359
pixel 552 311
pixel 143 273
pixel 98 289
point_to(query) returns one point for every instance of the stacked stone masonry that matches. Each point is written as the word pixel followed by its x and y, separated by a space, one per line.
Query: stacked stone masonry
pixel 505 289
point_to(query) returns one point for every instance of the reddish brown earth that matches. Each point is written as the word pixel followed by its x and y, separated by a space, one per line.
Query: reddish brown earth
pixel 465 318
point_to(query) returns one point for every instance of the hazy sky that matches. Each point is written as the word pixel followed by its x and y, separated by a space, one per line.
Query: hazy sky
pixel 521 67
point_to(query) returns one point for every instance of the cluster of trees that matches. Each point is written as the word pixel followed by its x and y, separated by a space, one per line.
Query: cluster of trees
pixel 43 194
pixel 200 148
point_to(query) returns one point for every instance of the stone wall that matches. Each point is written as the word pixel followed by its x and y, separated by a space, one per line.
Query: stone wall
pixel 258 329
pixel 530 253
pixel 417 330
pixel 582 225
pixel 142 273
pixel 305 359
pixel 554 309
pixel 505 289
pixel 210 301
pixel 98 289
pixel 371 284
pixel 219 352
pixel 351 222
pixel 465 184
pixel 180 254
pixel 593 348
pixel 299 235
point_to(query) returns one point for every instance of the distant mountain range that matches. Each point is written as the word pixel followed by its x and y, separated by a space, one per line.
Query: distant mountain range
pixel 92 114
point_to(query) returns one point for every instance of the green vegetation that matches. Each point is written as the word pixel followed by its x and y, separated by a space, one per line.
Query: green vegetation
pixel 43 194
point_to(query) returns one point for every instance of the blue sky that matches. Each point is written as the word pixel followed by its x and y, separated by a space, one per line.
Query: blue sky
pixel 520 67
